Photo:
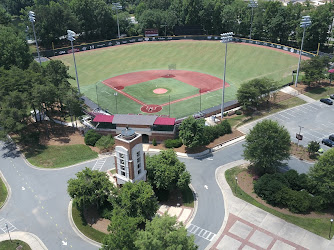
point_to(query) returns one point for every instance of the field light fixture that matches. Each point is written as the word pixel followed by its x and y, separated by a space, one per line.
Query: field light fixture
pixel 71 37
pixel 32 19
pixel 117 6
pixel 225 38
pixel 305 22
pixel 252 4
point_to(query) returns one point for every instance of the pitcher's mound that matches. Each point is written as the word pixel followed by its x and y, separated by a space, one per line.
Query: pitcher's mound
pixel 160 91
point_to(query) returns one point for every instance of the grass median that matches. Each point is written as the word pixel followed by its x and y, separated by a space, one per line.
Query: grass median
pixel 60 156
pixel 3 192
pixel 85 228
pixel 14 244
pixel 318 226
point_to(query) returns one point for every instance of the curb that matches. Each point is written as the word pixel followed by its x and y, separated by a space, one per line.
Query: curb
pixel 9 190
pixel 31 239
pixel 226 202
pixel 194 211
pixel 76 230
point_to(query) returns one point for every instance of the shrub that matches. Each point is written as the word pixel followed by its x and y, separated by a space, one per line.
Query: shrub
pixel 105 142
pixel 298 201
pixel 224 128
pixel 238 112
pixel 296 181
pixel 91 137
pixel 268 185
pixel 173 143
pixel 154 142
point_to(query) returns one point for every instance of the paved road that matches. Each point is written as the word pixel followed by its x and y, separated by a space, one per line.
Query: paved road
pixel 316 119
pixel 39 201
pixel 210 213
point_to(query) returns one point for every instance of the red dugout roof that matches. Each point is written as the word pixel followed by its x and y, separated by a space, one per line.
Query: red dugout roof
pixel 164 121
pixel 103 118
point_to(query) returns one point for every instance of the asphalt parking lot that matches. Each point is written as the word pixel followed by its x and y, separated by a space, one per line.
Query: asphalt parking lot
pixel 316 120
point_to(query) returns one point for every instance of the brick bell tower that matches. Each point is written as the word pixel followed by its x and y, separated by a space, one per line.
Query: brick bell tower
pixel 129 157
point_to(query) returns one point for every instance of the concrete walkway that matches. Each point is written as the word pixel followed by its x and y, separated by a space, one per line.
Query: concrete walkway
pixel 32 240
pixel 292 91
pixel 249 227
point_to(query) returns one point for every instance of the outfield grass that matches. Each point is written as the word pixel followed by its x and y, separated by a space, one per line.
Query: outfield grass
pixel 318 226
pixel 12 245
pixel 244 62
pixel 85 228
pixel 61 156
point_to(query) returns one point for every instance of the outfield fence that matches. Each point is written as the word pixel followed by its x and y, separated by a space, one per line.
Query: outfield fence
pixel 138 39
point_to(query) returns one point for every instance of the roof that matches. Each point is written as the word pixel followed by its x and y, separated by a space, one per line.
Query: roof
pixel 103 118
pixel 134 119
pixel 164 121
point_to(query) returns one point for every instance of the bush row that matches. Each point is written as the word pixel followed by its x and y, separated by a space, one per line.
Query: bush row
pixel 92 138
pixel 288 189
pixel 213 132
pixel 173 143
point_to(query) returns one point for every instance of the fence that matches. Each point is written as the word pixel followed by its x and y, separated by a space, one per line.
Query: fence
pixel 136 39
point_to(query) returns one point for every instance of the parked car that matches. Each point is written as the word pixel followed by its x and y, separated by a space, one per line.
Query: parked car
pixel 328 142
pixel 332 96
pixel 331 137
pixel 327 101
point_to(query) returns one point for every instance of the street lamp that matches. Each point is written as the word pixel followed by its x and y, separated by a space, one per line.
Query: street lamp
pixel 117 6
pixel 306 21
pixel 115 94
pixel 31 17
pixel 253 4
pixel 226 38
pixel 70 36
pixel 8 232
pixel 236 184
pixel 330 229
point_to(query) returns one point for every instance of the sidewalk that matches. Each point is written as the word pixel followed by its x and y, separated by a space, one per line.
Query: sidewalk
pixel 292 91
pixel 32 240
pixel 248 227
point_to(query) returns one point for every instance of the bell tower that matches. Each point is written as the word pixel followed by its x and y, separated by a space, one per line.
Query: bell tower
pixel 129 157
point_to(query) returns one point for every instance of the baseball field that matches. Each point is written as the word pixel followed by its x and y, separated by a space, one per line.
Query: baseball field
pixel 175 78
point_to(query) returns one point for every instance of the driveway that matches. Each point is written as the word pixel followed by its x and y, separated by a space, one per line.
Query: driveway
pixel 316 120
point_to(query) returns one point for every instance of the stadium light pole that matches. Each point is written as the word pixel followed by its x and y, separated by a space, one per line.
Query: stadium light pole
pixel 226 38
pixel 115 94
pixel 70 36
pixel 31 17
pixel 306 21
pixel 253 4
pixel 117 6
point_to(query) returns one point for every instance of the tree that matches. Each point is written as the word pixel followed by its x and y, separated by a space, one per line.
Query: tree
pixel 14 49
pixel 254 92
pixel 322 176
pixel 166 172
pixel 137 200
pixel 123 231
pixel 191 132
pixel 164 233
pixel 91 187
pixel 313 147
pixel 267 145
pixel 315 69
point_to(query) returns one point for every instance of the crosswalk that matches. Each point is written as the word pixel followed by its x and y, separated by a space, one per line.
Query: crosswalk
pixel 198 231
pixel 99 164
pixel 4 224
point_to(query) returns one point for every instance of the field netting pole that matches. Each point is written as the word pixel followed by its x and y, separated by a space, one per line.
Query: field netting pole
pixel 169 105
pixel 200 100
pixel 97 96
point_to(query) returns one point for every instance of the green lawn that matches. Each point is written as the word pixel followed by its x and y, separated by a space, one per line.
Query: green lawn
pixel 61 156
pixel 319 92
pixel 244 63
pixel 3 192
pixel 319 226
pixel 12 245
pixel 85 228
